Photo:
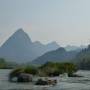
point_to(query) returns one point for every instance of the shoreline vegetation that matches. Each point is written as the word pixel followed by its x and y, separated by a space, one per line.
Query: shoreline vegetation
pixel 49 69
pixel 43 73
pixel 7 65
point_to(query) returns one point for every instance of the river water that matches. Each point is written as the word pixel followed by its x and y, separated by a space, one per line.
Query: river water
pixel 81 83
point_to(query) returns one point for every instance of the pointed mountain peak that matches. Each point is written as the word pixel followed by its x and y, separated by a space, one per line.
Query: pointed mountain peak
pixel 21 34
pixel 20 30
pixel 18 37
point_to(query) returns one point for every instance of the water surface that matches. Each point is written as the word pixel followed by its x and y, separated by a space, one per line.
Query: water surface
pixel 82 83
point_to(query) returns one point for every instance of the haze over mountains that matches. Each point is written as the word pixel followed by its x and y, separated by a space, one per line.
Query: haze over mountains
pixel 72 47
pixel 20 48
pixel 59 55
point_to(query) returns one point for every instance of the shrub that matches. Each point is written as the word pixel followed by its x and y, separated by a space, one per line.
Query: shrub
pixel 30 70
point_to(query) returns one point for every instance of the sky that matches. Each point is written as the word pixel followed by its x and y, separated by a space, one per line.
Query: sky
pixel 65 21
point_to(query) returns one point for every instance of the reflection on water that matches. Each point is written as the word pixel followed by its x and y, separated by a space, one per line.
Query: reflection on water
pixel 82 83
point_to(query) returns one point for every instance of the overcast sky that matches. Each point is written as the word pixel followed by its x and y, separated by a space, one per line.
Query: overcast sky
pixel 63 21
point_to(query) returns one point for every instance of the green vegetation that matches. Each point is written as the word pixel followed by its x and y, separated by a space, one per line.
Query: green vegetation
pixel 2 63
pixel 48 69
pixel 28 69
pixel 7 65
pixel 55 69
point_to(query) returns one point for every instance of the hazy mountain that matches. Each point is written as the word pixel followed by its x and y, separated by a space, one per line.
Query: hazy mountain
pixel 42 49
pixel 52 46
pixel 83 59
pixel 84 54
pixel 20 48
pixel 83 46
pixel 72 47
pixel 59 55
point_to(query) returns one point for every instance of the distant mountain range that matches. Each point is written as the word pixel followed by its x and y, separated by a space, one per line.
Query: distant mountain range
pixel 72 48
pixel 59 55
pixel 69 53
pixel 20 48
pixel 84 55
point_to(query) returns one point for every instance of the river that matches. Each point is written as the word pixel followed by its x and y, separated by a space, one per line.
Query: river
pixel 81 83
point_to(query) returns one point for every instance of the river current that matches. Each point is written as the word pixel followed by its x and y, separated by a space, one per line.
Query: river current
pixel 65 83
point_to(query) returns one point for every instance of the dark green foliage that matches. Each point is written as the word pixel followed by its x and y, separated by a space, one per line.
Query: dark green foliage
pixel 30 70
pixel 48 69
pixel 55 69
pixel 2 63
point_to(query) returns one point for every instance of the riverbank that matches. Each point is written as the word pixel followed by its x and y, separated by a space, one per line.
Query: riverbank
pixel 80 83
